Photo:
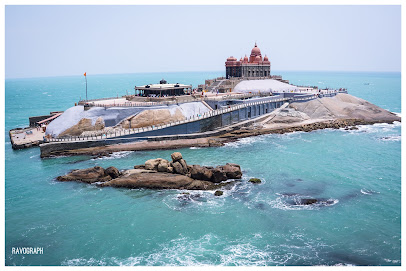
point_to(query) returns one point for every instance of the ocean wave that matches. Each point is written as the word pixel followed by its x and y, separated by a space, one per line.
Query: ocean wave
pixel 391 138
pixel 368 191
pixel 376 128
pixel 246 141
pixel 195 148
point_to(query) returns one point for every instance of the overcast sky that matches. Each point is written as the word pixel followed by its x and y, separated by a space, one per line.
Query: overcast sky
pixel 69 40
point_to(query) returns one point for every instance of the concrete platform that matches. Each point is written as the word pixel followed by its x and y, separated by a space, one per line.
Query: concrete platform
pixel 26 137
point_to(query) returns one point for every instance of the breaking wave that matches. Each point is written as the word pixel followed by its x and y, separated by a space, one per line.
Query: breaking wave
pixel 115 155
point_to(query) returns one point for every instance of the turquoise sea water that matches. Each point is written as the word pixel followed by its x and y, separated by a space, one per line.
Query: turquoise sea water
pixel 77 224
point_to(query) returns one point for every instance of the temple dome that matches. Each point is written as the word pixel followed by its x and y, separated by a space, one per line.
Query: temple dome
pixel 255 51
pixel 266 58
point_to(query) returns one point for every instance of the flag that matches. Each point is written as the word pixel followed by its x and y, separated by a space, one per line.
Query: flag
pixel 84 74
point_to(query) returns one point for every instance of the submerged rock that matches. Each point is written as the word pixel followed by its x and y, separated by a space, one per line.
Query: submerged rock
pixel 308 201
pixel 255 180
pixel 218 193
pixel 311 201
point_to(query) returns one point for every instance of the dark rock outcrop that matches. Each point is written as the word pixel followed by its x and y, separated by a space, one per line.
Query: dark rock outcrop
pixel 255 180
pixel 308 201
pixel 200 173
pixel 218 193
pixel 218 175
pixel 112 172
pixel 233 171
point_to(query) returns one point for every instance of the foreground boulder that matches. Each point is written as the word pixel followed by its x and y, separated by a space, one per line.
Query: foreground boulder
pixel 159 174
pixel 88 175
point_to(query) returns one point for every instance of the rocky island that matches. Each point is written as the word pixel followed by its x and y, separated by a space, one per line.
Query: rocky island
pixel 340 111
pixel 159 174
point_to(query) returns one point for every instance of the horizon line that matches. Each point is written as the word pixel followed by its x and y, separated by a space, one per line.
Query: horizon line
pixel 120 73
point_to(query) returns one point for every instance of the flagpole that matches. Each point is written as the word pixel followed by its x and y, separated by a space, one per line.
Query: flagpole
pixel 86 85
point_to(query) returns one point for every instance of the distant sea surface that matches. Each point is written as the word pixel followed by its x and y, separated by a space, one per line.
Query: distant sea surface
pixel 358 172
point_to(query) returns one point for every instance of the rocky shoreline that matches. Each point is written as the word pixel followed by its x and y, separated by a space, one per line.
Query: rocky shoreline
pixel 159 174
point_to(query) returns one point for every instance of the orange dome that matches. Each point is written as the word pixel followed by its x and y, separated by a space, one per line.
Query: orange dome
pixel 231 58
pixel 265 58
pixel 255 51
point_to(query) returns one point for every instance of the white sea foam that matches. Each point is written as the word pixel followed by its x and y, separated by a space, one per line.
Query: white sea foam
pixel 115 155
pixel 246 141
pixel 368 191
pixel 195 148
pixel 192 200
pixel 391 138
pixel 187 251
pixel 375 128
pixel 282 203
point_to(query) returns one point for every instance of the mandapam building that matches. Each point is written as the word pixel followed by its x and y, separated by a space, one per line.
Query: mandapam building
pixel 254 66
